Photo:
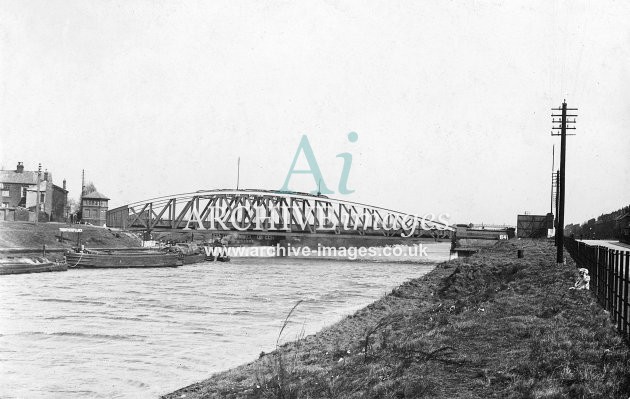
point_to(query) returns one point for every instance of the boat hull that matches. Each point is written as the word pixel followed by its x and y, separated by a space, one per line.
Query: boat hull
pixel 22 268
pixel 210 258
pixel 122 260
pixel 196 258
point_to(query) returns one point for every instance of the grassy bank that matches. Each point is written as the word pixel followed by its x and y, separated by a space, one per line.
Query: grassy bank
pixel 31 235
pixel 486 326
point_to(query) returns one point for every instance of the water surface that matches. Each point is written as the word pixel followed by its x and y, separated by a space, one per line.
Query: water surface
pixel 132 333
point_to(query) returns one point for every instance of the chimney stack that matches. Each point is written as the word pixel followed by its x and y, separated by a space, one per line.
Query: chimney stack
pixel 20 167
pixel 64 184
pixel 46 175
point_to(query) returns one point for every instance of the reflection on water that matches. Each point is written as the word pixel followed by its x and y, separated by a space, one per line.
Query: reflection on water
pixel 139 333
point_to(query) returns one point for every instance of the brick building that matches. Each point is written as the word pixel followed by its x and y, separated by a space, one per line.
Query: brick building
pixel 18 196
pixel 623 228
pixel 94 208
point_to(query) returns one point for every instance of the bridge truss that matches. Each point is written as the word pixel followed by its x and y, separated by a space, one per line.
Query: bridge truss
pixel 271 213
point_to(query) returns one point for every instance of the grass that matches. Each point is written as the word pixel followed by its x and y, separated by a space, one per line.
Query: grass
pixel 488 326
pixel 31 235
pixel 273 377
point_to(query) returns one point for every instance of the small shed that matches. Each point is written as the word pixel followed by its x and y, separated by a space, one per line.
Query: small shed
pixel 533 226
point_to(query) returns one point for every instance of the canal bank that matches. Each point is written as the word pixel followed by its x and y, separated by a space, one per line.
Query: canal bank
pixel 138 333
pixel 491 325
pixel 31 239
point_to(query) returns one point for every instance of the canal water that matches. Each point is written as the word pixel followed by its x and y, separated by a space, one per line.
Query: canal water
pixel 131 333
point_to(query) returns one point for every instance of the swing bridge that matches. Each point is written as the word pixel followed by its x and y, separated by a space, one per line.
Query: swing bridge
pixel 272 213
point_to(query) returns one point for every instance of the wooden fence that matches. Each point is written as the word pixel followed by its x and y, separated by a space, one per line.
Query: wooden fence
pixel 610 278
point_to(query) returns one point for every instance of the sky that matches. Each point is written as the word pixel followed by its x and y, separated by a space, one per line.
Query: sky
pixel 450 100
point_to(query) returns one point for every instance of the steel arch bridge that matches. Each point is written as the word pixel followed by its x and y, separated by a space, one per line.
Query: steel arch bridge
pixel 271 213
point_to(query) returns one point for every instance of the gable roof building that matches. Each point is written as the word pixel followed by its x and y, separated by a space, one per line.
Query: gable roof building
pixel 96 195
pixel 19 190
pixel 94 208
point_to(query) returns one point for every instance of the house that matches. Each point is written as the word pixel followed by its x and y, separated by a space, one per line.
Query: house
pixel 18 196
pixel 94 208
pixel 623 227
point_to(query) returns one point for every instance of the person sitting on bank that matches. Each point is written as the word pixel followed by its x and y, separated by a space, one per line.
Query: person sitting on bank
pixel 583 281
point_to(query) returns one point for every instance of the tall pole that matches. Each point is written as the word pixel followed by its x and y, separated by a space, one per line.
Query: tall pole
pixel 39 171
pixel 563 154
pixel 82 192
pixel 238 171
pixel 561 184
pixel 557 202
pixel 553 165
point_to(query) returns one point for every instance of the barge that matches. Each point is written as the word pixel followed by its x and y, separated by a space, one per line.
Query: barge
pixel 122 259
pixel 29 265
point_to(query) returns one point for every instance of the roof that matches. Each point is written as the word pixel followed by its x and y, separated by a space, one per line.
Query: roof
pixel 56 187
pixel 43 186
pixel 11 176
pixel 95 195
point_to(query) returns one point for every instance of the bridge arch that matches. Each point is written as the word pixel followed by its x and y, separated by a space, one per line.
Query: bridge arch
pixel 270 212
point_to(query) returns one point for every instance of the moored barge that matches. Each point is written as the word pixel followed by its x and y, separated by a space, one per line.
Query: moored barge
pixel 122 259
pixel 29 265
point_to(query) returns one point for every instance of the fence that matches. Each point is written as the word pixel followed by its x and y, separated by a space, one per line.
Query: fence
pixel 610 278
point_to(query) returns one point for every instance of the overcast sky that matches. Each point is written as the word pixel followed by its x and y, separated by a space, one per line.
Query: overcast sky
pixel 450 100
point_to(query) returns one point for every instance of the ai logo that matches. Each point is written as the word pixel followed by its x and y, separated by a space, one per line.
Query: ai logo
pixel 305 147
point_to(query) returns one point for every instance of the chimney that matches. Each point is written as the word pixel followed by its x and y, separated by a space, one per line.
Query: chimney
pixel 64 184
pixel 20 167
pixel 46 175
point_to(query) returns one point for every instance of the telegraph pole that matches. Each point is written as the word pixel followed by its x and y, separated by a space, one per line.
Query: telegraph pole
pixel 238 171
pixel 564 125
pixel 82 192
pixel 556 180
pixel 553 165
pixel 39 171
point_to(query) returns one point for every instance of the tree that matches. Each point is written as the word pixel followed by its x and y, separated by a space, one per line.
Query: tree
pixel 89 187
pixel 73 204
pixel 78 209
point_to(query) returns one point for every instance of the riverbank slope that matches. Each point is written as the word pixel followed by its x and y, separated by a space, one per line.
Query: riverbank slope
pixel 486 326
pixel 19 235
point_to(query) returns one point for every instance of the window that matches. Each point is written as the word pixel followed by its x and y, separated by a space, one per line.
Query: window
pixel 87 213
pixel 24 192
pixel 5 204
pixel 5 192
